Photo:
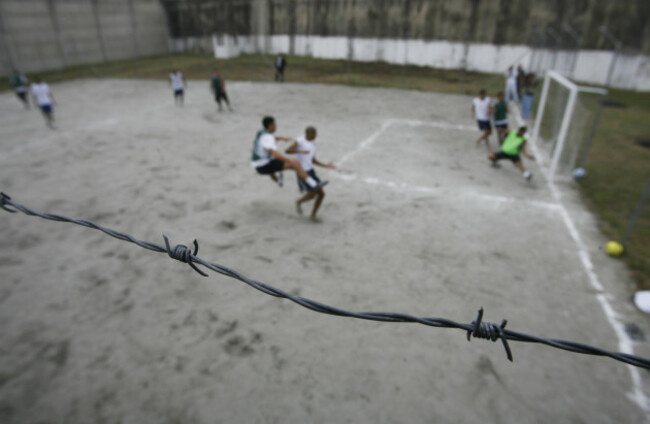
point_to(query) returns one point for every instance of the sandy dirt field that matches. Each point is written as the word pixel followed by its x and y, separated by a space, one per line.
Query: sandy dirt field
pixel 95 330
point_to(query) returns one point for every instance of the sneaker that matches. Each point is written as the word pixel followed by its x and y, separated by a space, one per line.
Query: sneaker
pixel 495 165
pixel 528 175
pixel 280 179
pixel 321 184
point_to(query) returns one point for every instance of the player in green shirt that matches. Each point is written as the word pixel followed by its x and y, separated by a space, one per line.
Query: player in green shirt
pixel 19 83
pixel 218 86
pixel 501 116
pixel 514 144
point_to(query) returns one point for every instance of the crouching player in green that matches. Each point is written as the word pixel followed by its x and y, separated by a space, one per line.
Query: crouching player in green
pixel 514 143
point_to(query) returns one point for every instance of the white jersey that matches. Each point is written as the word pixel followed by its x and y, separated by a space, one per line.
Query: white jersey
pixel 306 159
pixel 512 76
pixel 262 146
pixel 482 108
pixel 42 93
pixel 177 81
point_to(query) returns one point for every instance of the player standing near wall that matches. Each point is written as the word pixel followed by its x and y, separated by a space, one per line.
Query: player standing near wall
pixel 280 64
pixel 44 98
pixel 511 85
pixel 178 86
pixel 306 151
pixel 19 83
pixel 481 111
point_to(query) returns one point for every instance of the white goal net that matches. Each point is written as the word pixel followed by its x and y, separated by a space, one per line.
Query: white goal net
pixel 562 123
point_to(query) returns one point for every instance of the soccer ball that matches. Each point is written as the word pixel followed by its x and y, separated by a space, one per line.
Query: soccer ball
pixel 614 248
pixel 579 173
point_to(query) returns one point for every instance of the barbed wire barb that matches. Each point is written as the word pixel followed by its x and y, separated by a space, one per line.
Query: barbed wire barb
pixel 477 328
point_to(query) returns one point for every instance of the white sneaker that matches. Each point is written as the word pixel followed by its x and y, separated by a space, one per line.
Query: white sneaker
pixel 528 175
pixel 280 179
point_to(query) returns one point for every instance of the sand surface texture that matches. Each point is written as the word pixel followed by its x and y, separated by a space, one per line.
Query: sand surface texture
pixel 96 330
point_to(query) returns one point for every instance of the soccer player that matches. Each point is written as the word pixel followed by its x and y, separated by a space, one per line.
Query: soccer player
pixel 511 85
pixel 44 98
pixel 218 86
pixel 305 150
pixel 178 85
pixel 267 160
pixel 19 83
pixel 500 108
pixel 280 64
pixel 481 110
pixel 513 145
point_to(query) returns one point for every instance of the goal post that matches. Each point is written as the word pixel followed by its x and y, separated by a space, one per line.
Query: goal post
pixel 563 112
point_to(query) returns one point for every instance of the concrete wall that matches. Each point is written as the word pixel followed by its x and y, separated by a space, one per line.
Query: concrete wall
pixel 49 34
pixel 498 22
pixel 632 71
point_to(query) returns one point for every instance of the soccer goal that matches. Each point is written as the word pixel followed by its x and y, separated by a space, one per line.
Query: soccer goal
pixel 562 122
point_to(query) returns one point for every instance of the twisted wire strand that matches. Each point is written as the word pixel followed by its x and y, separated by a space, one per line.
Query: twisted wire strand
pixel 477 328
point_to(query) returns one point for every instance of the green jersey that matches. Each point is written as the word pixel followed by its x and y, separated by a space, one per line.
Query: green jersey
pixel 216 84
pixel 512 144
pixel 500 111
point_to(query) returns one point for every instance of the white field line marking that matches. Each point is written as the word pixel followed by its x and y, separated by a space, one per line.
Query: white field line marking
pixel 624 344
pixel 401 186
pixel 370 140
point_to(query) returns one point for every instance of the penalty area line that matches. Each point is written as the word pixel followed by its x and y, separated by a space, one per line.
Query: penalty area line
pixel 390 122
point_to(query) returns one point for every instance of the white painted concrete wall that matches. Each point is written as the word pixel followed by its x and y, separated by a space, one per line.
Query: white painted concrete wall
pixel 591 66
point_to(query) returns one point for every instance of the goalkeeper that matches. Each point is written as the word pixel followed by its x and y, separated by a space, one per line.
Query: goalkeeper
pixel 514 144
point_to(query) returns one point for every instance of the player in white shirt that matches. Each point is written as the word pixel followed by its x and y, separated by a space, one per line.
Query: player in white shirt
pixel 511 84
pixel 178 85
pixel 43 97
pixel 267 160
pixel 482 110
pixel 305 150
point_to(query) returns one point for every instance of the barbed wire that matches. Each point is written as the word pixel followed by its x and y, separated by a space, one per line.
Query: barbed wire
pixel 477 328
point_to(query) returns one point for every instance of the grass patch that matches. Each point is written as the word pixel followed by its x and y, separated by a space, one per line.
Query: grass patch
pixel 618 165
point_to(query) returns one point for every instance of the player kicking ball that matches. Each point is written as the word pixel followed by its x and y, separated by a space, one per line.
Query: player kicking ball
pixel 305 150
pixel 514 143
pixel 267 160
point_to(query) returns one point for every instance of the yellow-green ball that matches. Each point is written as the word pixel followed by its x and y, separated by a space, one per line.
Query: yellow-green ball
pixel 614 248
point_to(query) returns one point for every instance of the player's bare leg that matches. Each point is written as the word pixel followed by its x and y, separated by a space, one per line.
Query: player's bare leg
pixel 319 199
pixel 526 174
pixel 486 137
pixel 307 197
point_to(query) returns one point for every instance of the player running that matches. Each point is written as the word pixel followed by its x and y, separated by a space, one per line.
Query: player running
pixel 305 150
pixel 44 98
pixel 513 144
pixel 267 160
pixel 500 109
pixel 218 86
pixel 19 83
pixel 481 111
pixel 178 86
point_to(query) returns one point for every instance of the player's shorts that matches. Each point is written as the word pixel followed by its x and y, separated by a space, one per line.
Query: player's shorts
pixel 501 124
pixel 501 155
pixel 220 95
pixel 272 167
pixel 46 108
pixel 22 95
pixel 178 92
pixel 484 125
pixel 303 186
